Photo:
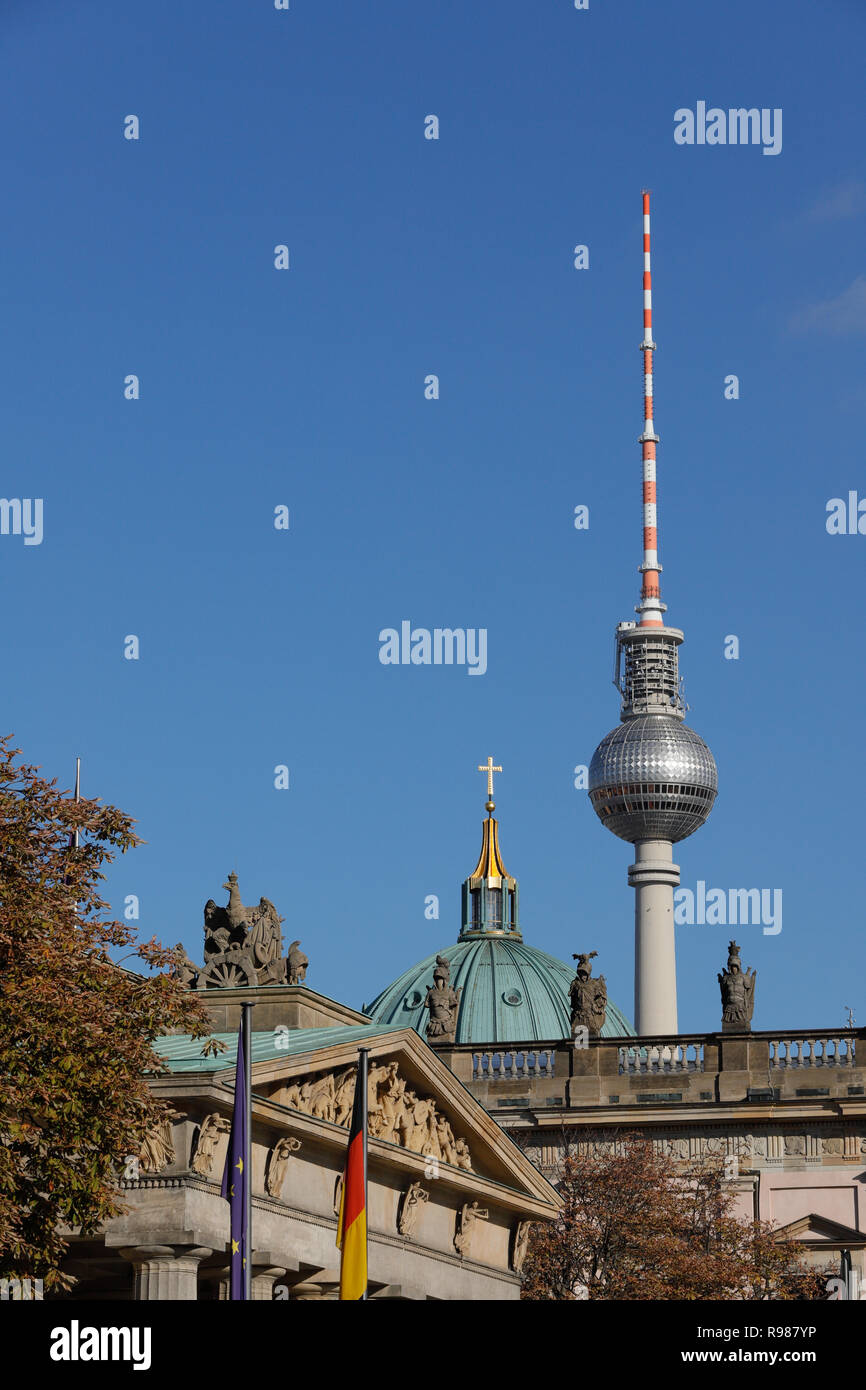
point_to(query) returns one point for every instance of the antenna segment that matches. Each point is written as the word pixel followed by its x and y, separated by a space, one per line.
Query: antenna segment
pixel 647 664
pixel 651 607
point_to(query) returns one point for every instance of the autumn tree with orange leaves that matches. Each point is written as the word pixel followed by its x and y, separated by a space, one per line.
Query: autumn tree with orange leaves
pixel 75 1029
pixel 637 1225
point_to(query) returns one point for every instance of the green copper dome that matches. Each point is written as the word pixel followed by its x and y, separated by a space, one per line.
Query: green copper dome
pixel 511 993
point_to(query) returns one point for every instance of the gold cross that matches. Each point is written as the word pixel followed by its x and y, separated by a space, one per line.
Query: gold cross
pixel 489 768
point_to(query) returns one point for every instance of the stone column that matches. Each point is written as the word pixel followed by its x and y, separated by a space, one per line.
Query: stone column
pixel 165 1271
pixel 265 1274
pixel 323 1286
pixel 654 877
pixel 307 1292
pixel 263 1279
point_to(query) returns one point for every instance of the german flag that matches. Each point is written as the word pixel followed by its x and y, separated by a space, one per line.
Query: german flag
pixel 352 1225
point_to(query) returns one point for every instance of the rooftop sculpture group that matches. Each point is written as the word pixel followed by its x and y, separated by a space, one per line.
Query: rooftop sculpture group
pixel 242 946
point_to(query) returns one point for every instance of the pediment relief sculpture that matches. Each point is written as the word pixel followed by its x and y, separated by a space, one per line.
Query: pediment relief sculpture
pixel 395 1112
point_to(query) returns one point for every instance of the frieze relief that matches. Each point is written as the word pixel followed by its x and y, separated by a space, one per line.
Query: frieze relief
pixel 157 1149
pixel 211 1130
pixel 773 1147
pixel 412 1206
pixel 278 1162
pixel 467 1219
pixel 395 1112
pixel 520 1245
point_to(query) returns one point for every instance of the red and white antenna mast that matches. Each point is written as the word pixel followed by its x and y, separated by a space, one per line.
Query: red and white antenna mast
pixel 647 669
pixel 651 607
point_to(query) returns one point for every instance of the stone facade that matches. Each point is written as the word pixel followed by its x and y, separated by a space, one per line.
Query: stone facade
pixel 785 1110
pixel 436 1162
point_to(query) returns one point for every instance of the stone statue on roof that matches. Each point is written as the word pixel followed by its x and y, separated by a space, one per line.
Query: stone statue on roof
pixel 588 996
pixel 296 964
pixel 738 993
pixel 443 1002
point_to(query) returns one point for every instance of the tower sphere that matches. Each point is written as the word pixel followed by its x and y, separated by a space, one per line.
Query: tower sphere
pixel 652 778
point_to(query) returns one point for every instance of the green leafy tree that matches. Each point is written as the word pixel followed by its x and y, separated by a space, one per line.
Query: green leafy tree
pixel 76 1030
pixel 637 1225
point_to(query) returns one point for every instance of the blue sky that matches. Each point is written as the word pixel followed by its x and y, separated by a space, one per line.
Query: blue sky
pixel 305 388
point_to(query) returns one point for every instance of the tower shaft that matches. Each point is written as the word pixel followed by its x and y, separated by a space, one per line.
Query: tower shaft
pixel 651 685
pixel 654 876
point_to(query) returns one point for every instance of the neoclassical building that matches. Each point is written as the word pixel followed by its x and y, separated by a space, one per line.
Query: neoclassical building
pixel 481 1072
pixel 451 1197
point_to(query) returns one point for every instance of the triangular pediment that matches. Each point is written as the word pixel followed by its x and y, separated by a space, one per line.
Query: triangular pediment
pixel 817 1230
pixel 313 1054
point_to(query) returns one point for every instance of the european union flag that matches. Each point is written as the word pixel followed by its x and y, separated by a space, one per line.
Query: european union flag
pixel 236 1178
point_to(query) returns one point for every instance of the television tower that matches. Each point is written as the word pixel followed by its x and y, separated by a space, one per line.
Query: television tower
pixel 652 780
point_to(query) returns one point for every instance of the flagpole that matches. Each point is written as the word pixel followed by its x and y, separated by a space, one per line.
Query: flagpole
pixel 77 796
pixel 363 1054
pixel 248 1149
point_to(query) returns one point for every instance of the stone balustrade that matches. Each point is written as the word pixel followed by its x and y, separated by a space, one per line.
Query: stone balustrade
pixel 512 1064
pixel 686 1055
pixel 813 1049
pixel 690 1068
